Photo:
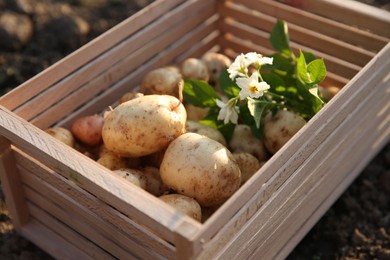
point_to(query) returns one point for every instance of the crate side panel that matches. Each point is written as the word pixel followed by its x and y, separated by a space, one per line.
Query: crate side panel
pixel 85 54
pixel 301 35
pixel 66 225
pixel 329 27
pixel 50 242
pixel 102 215
pixel 363 16
pixel 108 236
pixel 68 234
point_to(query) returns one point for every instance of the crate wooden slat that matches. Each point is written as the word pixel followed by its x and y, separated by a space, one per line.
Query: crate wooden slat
pixel 74 208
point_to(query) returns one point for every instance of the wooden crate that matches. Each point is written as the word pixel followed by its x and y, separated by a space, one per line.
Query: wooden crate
pixel 74 208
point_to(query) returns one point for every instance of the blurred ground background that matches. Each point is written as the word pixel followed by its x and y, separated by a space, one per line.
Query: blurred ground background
pixel 356 227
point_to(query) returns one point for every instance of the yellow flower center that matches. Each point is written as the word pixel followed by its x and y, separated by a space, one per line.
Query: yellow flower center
pixel 252 88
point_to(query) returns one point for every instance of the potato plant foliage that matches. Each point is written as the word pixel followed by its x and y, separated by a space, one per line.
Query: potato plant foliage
pixel 256 85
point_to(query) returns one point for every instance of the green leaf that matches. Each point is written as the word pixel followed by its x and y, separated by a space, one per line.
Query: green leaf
pixel 317 71
pixel 302 69
pixel 312 73
pixel 199 93
pixel 256 110
pixel 309 57
pixel 279 38
pixel 228 86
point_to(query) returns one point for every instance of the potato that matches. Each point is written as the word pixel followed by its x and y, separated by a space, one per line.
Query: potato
pixel 327 93
pixel 184 204
pixel 129 96
pixel 243 140
pixel 153 184
pixel 202 129
pixel 215 63
pixel 201 168
pixel 193 68
pixel 112 161
pixel 132 175
pixel 88 129
pixel 195 113
pixel 162 81
pixel 62 134
pixel 279 129
pixel 144 125
pixel 248 164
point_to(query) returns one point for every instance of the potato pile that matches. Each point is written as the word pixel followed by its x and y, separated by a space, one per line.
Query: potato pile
pixel 154 140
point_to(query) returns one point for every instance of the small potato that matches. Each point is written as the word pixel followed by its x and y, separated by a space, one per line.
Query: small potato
pixel 215 63
pixel 201 168
pixel 112 161
pixel 132 175
pixel 144 125
pixel 153 182
pixel 202 129
pixel 279 129
pixel 184 204
pixel 193 68
pixel 88 129
pixel 195 113
pixel 327 93
pixel 129 96
pixel 162 81
pixel 62 134
pixel 243 140
pixel 248 164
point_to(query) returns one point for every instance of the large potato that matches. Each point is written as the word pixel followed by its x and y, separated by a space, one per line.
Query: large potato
pixel 144 125
pixel 201 168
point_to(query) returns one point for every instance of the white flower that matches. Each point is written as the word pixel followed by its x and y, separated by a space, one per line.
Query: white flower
pixel 251 87
pixel 257 59
pixel 228 112
pixel 239 67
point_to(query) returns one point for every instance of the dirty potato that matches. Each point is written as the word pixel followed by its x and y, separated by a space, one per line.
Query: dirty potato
pixel 201 168
pixel 144 125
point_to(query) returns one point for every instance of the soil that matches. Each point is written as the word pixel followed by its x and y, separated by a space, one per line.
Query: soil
pixel 357 226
